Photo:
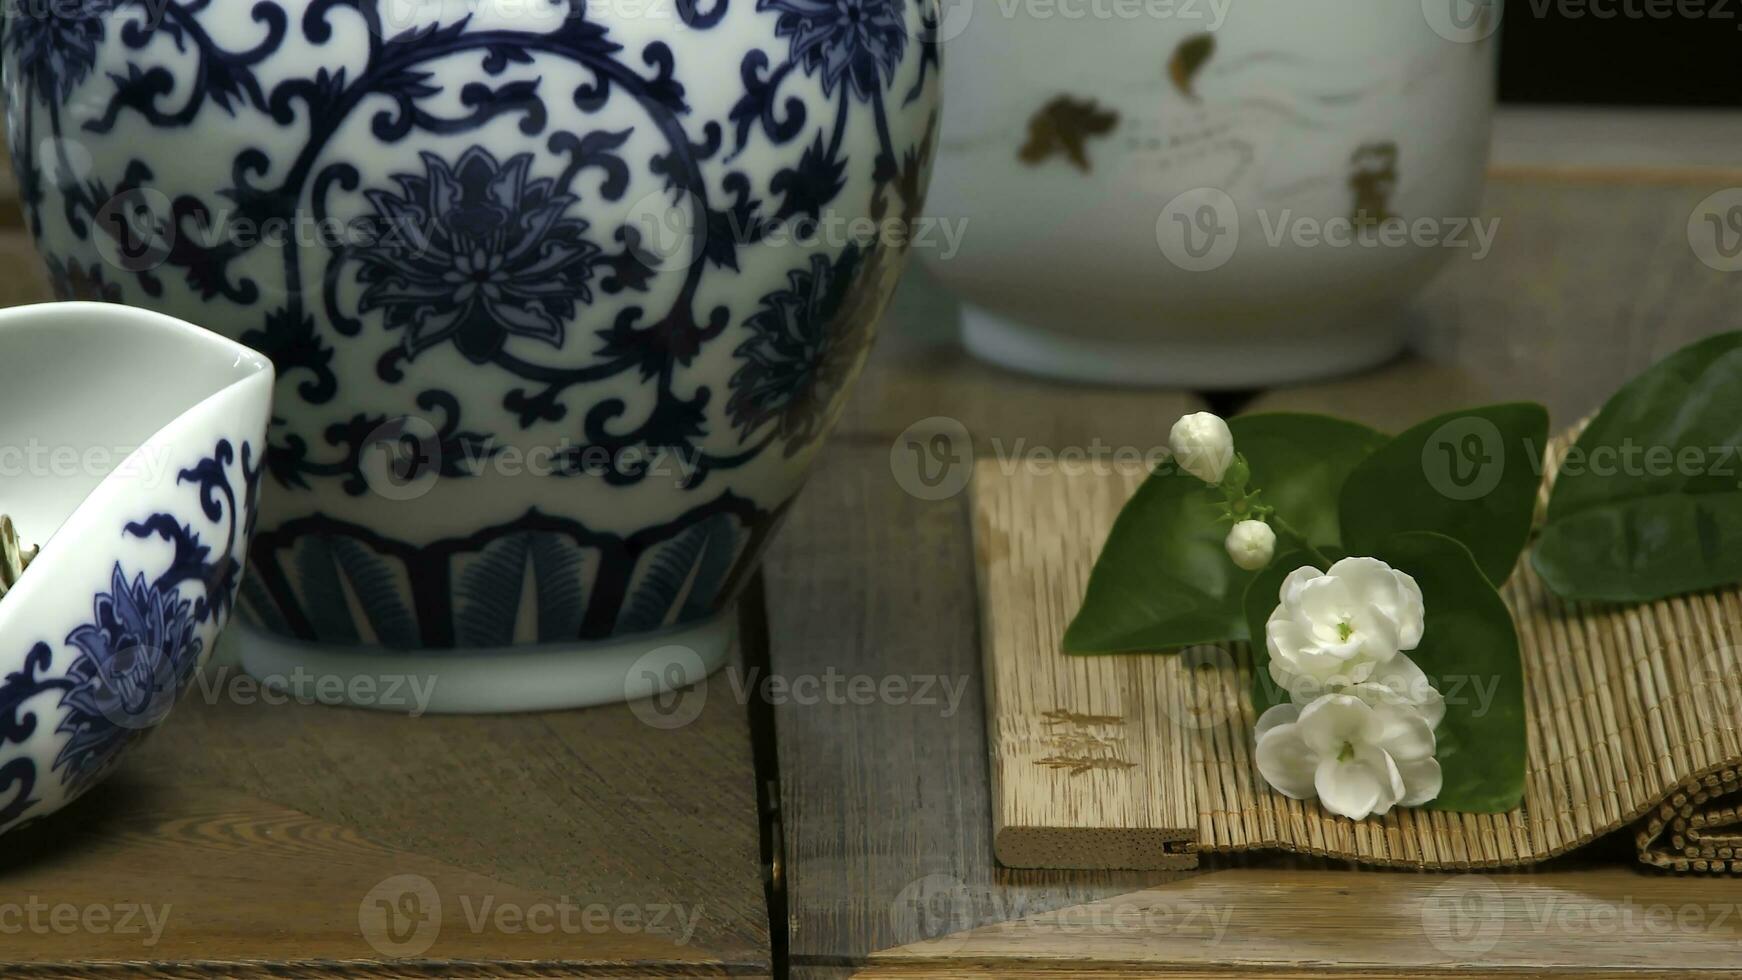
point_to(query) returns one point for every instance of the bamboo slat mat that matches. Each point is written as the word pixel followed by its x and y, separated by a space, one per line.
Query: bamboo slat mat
pixel 1136 761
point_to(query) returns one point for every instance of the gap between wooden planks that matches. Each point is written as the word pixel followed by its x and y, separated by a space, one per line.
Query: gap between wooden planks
pixel 1141 761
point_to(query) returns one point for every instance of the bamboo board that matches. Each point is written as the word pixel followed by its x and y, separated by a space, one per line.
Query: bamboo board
pixel 1141 761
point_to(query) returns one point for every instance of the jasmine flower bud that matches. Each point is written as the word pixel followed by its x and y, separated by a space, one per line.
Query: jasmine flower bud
pixel 1202 446
pixel 1251 544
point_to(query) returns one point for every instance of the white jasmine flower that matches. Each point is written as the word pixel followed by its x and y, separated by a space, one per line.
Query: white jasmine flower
pixel 1400 683
pixel 1251 544
pixel 1336 629
pixel 1397 681
pixel 1202 446
pixel 1358 759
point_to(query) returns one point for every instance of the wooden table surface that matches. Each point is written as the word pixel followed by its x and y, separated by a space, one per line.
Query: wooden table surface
pixel 265 837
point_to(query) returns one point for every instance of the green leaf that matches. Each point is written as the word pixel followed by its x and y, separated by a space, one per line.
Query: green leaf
pixel 1469 649
pixel 1649 502
pixel 1471 476
pixel 1164 579
pixel 1302 462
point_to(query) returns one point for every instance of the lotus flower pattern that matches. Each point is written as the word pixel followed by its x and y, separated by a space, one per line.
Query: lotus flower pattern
pixel 475 253
pixel 856 42
pixel 807 344
pixel 134 658
pixel 56 44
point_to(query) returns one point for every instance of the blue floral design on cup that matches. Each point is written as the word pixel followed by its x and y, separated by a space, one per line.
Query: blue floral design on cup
pixel 136 655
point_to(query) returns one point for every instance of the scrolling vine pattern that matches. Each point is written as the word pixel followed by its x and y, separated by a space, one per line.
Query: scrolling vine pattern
pixel 475 253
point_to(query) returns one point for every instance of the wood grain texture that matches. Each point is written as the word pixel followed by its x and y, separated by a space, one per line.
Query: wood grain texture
pixel 1580 922
pixel 266 825
pixel 149 877
pixel 918 372
pixel 1631 145
pixel 594 804
pixel 1586 286
pixel 1089 760
pixel 884 802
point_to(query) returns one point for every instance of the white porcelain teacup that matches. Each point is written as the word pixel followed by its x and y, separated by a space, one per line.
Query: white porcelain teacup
pixel 131 453
pixel 1211 193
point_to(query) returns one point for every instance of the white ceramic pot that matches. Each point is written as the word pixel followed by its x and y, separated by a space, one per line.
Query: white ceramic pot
pixel 563 296
pixel 1208 193
pixel 131 448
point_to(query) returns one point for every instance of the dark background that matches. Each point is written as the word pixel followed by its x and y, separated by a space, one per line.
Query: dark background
pixel 1549 54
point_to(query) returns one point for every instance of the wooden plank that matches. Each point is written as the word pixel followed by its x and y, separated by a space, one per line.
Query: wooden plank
pixel 149 877
pixel 885 801
pixel 918 373
pixel 1576 922
pixel 1617 144
pixel 1585 287
pixel 1091 765
pixel 886 804
pixel 599 804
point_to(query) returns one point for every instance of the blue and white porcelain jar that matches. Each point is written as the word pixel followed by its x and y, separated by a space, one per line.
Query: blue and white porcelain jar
pixel 562 295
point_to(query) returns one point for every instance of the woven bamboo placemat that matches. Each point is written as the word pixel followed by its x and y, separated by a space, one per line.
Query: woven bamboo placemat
pixel 1140 761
